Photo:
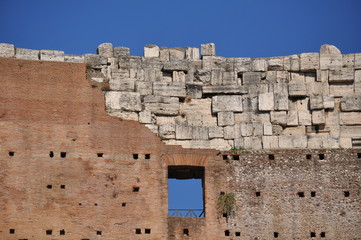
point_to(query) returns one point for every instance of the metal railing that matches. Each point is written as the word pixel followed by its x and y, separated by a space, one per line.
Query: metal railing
pixel 196 213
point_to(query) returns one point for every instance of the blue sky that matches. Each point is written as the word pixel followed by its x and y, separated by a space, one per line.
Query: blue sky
pixel 239 28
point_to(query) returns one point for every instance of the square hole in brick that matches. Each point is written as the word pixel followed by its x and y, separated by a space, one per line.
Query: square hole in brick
pixel 124 204
pixel 321 156
pixel 138 231
pixel 235 157
pixel 185 232
pixel 301 194
pixel 308 156
pixel 51 154
pixel 135 156
pixel 12 231
pixel 63 154
pixel 135 189
pixel 62 186
pixel 99 232
pixel 147 231
pixel 100 154
pixel 258 194
pixel 313 235
pixel 49 232
pixel 346 193
pixel 271 157
pixel 49 186
pixel 275 234
pixel 62 232
pixel 359 155
pixel 322 234
pixel 227 233
pixel 238 234
pixel 11 154
pixel 147 156
pixel 313 194
pixel 225 157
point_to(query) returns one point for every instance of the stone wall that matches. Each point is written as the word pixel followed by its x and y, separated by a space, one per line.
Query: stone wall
pixel 200 100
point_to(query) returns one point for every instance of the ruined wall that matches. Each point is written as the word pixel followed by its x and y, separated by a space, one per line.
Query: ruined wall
pixel 69 170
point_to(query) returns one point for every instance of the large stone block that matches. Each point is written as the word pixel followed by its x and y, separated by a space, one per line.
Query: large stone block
pixel 297 89
pixel 351 103
pixel 309 61
pixel 250 102
pixel 322 75
pixel 227 103
pixel 95 60
pixel 257 88
pixel 294 131
pixel 251 77
pixel 292 63
pixel 144 88
pixel 252 143
pixel 304 118
pixel 27 54
pixel 213 62
pixel 199 133
pixel 350 131
pixel 52 55
pixel 330 57
pixel 274 64
pixel 194 90
pixel 151 51
pixel 183 132
pixel 74 58
pixel 293 141
pixel 350 118
pixel 176 65
pixel 161 105
pixel 119 84
pixel 358 76
pixel 341 89
pixel 152 75
pixel 176 54
pixel 215 132
pixel 342 75
pixel 279 118
pixel 246 129
pixel 179 76
pixel 105 49
pixel 266 102
pixel 121 52
pixel 229 78
pixel 292 118
pixel 315 141
pixel 145 116
pixel 318 117
pixel 316 102
pixel 198 112
pixel 328 102
pixel 259 65
pixel 242 64
pixel 7 50
pixel 267 129
pixel 173 89
pixel 348 60
pixel 208 49
pixel 129 101
pixel 270 142
pixel 192 53
pixel 357 60
pixel 225 118
pixel 283 76
pixel 225 89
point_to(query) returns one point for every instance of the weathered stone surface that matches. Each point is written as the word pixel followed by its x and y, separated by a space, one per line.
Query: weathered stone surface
pixel 192 53
pixel 328 102
pixel 246 129
pixel 322 75
pixel 7 50
pixel 267 129
pixel 341 89
pixel 144 88
pixel 215 132
pixel 348 60
pixel 283 76
pixel 167 131
pixel 318 117
pixel 350 118
pixel 52 55
pixel 176 65
pixel 199 133
pixel 151 51
pixel 316 102
pixel 179 76
pixel 229 78
pixel 129 101
pixel 176 54
pixel 251 117
pixel 330 57
pixel 351 103
pixel 145 116
pixel 121 52
pixel 270 142
pixel 95 60
pixel 274 64
pixel 225 89
pixel 119 84
pixel 242 64
pixel 259 65
pixel 304 118
pixel 208 49
pixel 174 89
pixel 27 54
pixel 357 60
pixel 194 90
pixel 343 75
pixel 161 105
pixel 358 76
pixel 198 112
pixel 266 102
pixel 152 75
pixel 125 115
pixel 251 77
pixel 250 102
pixel 227 103
pixel 294 131
pixel 279 118
pixel 213 62
pixel 292 118
pixel 253 143
pixel 74 58
pixel 309 61
pixel 225 118
pixel 292 141
pixel 258 88
pixel 105 49
pixel 297 89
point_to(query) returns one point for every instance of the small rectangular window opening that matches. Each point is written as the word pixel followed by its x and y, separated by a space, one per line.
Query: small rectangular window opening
pixel 225 157
pixel 62 186
pixel 227 233
pixel 124 204
pixel 138 231
pixel 346 193
pixel 99 232
pixel 185 232
pixel 271 157
pixel 321 156
pixel 308 156
pixel 275 234
pixel 11 154
pixel 313 194
pixel 238 234
pixel 49 232
pixel 258 194
pixel 301 194
pixel 12 231
pixel 100 155
pixel 135 156
pixel 51 154
pixel 147 156
pixel 49 186
pixel 135 189
pixel 147 231
pixel 313 234
pixel 322 234
pixel 62 232
pixel 63 154
pixel 235 157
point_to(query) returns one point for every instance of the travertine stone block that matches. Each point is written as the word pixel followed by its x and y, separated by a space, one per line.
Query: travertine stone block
pixel 279 118
pixel 74 58
pixel 229 132
pixel 199 133
pixel 358 76
pixel 225 118
pixel 119 84
pixel 345 142
pixel 125 115
pixel 252 143
pixel 258 129
pixel 315 142
pixel 239 143
pixel 152 75
pixel 229 103
pixel 164 54
pixel 318 117
pixel 167 131
pixel 246 129
pixel 310 77
pixel 252 117
pixel 95 60
pixel 304 118
pixel 121 52
pixel 348 60
pixel 194 90
pixel 217 76
pixel 145 116
pixel 176 65
pixel 173 89
pixel 332 118
pixel 105 49
pixel 179 76
pixel 242 64
pixel 330 57
pixel 317 88
pixel 183 132
pixel 297 77
pixel 328 102
pixel 213 62
pixel 259 65
pixel 208 49
pixel 266 102
pixel 350 118
pixel 27 54
pixel 271 76
pixel 153 128
pixel 283 76
pixel 350 131
pixel 277 130
pixel 251 77
pixel 7 50
pixel 144 88
pixel 225 89
pixel 322 75
pixel 357 87
pixel 341 89
pixel 280 101
pixel 151 51
pixel 294 131
pixel 52 55
pixel 342 75
pixel 176 54
pixel 357 60
pixel 297 89
pixel 292 118
pixel 161 105
pixel 292 141
pixel 257 88
pixel 330 142
pixel 192 53
pixel 198 112
pixel 129 101
pixel 215 132
pixel 250 102
pixel 120 73
pixel 267 129
pixel 229 78
pixel 203 76
pixel 294 63
pixel 316 102
pixel 137 73
pixel 270 142
pixel 309 61
pixel 351 103
pixel 274 64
